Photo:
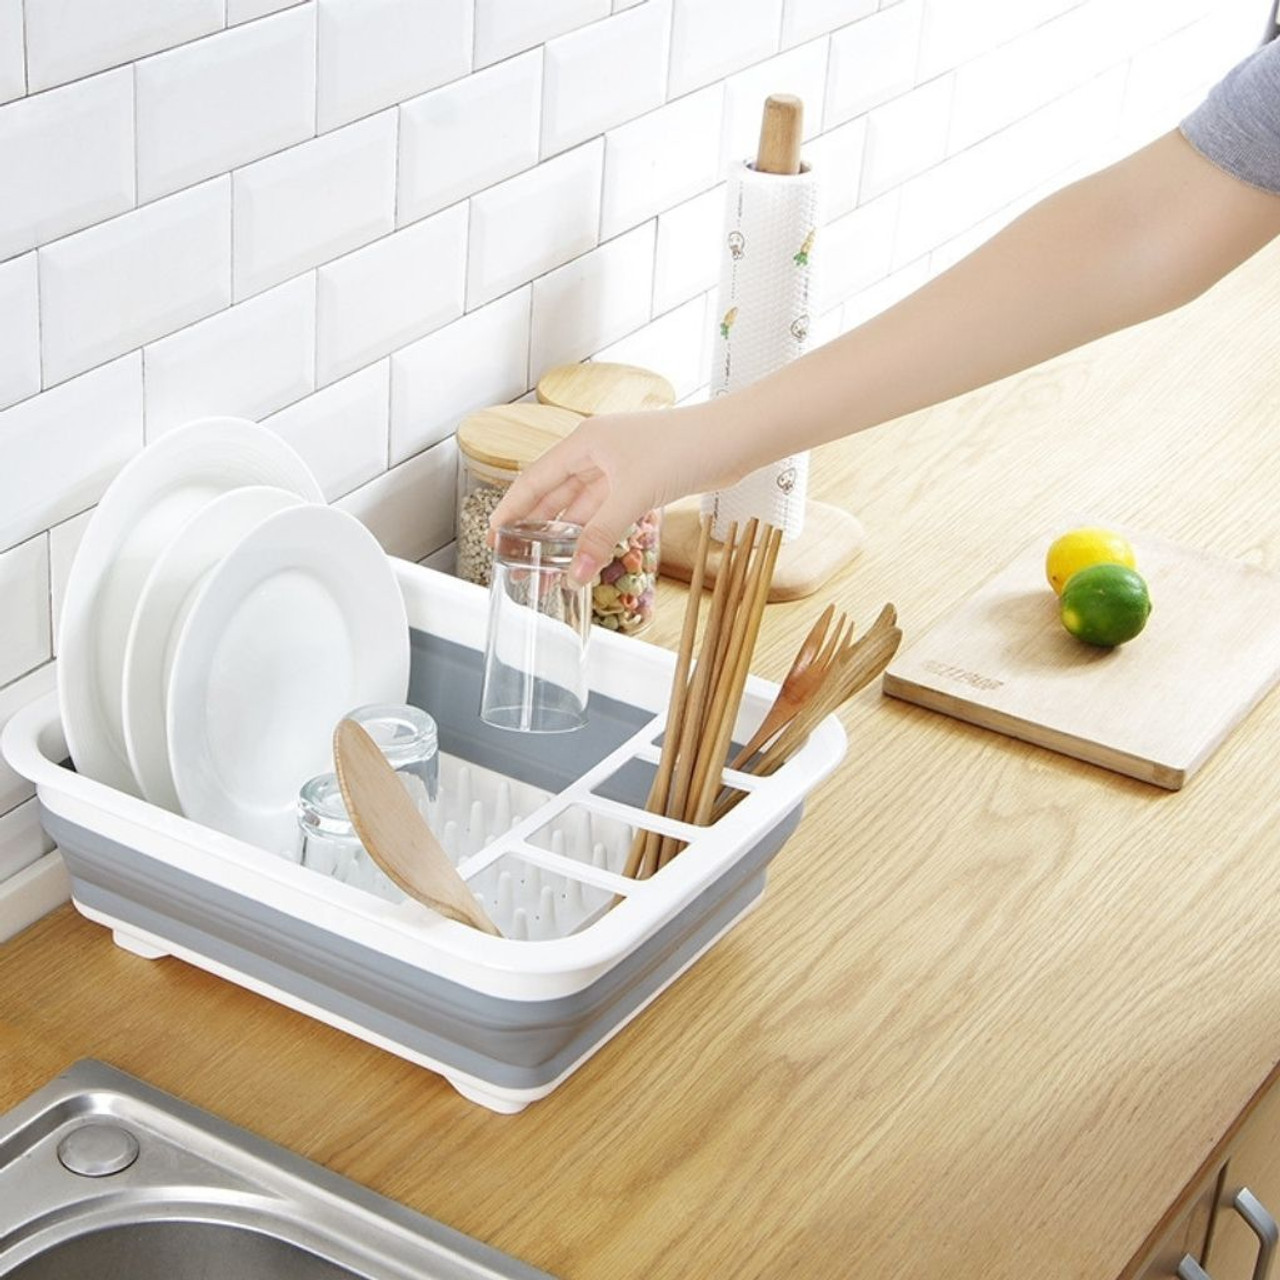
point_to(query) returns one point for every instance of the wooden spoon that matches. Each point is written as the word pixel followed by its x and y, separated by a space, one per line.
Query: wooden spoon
pixel 798 684
pixel 394 833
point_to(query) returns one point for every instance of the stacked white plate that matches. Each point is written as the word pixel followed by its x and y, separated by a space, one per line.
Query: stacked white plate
pixel 218 621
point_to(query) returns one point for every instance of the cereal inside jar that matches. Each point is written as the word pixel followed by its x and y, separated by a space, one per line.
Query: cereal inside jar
pixel 494 446
pixel 623 596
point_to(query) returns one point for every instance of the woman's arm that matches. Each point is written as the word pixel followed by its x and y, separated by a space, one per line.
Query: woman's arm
pixel 1130 242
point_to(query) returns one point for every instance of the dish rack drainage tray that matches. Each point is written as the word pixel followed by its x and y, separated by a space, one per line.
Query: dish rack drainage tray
pixel 539 826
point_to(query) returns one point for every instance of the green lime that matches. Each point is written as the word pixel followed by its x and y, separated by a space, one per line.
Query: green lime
pixel 1105 604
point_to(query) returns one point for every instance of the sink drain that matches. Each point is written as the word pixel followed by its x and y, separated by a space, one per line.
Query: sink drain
pixel 98 1150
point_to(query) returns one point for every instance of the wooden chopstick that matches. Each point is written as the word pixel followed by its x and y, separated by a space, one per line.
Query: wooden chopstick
pixel 703 674
pixel 660 788
pixel 725 713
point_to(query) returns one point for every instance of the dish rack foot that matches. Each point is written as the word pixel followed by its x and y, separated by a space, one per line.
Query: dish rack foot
pixel 131 942
pixel 503 1103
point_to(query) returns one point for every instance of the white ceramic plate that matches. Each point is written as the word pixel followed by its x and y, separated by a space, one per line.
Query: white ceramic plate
pixel 166 597
pixel 144 506
pixel 300 623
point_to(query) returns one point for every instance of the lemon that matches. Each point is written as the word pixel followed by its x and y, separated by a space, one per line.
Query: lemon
pixel 1081 548
pixel 1105 604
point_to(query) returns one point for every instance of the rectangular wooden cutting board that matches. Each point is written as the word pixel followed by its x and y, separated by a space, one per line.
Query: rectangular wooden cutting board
pixel 1155 708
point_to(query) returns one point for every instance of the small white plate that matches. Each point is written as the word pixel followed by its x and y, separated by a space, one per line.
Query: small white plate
pixel 166 598
pixel 148 501
pixel 300 623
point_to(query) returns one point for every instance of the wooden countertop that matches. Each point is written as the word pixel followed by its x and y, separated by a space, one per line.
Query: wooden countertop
pixel 997 1007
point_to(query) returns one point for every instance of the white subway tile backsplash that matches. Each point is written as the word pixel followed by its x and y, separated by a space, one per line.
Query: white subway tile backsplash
pixel 13 697
pixel 800 72
pixel 661 159
pixel 375 53
pixel 114 287
pixel 906 136
pixel 246 362
pixel 266 262
pixel 504 27
pixel 602 75
pixel 687 261
pixel 341 432
pixel 68 39
pixel 26 640
pixel 13 71
pixel 62 448
pixel 711 39
pixel 66 160
pixel 246 10
pixel 226 100
pixel 443 560
pixel 1014 79
pixel 855 251
pixel 836 156
pixel 64 542
pixel 872 61
pixel 314 202
pixel 410 509
pixel 533 222
pixel 673 345
pixel 22 839
pixel 804 19
pixel 19 330
pixel 480 360
pixel 457 140
pixel 389 293
pixel 1168 79
pixel 954 33
pixel 958 194
pixel 593 301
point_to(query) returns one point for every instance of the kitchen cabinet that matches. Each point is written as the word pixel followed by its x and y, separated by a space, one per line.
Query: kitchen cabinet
pixel 1254 1163
pixel 1187 1233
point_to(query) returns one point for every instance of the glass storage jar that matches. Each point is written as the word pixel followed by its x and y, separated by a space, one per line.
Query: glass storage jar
pixel 494 446
pixel 622 598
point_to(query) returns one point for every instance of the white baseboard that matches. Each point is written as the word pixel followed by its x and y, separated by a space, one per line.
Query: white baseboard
pixel 31 893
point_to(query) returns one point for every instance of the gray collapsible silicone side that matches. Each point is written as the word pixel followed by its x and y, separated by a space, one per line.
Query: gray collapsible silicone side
pixel 513 1044
pixel 445 679
pixel 517 1044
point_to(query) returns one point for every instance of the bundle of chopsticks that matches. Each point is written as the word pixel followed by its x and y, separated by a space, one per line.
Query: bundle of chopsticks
pixel 830 667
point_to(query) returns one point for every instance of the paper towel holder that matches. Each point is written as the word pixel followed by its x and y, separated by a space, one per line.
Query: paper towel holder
pixel 831 536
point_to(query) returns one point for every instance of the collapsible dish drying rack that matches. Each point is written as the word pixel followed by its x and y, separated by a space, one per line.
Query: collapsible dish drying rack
pixel 538 825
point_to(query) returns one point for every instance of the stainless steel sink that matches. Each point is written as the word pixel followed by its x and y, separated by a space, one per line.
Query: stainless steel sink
pixel 103 1176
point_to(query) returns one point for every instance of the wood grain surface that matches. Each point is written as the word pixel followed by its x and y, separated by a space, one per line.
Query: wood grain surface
pixel 997 1009
pixel 1155 708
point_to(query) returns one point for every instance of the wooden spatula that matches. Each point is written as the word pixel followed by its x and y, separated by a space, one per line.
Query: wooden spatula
pixel 394 833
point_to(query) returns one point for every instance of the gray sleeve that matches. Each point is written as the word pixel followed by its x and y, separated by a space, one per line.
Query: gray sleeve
pixel 1237 127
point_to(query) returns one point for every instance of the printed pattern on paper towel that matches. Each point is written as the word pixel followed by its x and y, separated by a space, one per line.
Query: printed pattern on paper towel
pixel 766 281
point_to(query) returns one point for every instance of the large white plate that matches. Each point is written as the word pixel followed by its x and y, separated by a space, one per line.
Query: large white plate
pixel 167 595
pixel 144 506
pixel 300 623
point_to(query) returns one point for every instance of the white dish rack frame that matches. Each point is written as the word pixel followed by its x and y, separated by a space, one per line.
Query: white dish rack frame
pixel 505 1020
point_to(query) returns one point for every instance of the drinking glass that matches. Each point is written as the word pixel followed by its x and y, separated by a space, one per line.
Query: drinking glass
pixel 535 670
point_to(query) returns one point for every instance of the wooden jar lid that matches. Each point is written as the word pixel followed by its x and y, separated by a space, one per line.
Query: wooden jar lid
pixel 600 387
pixel 510 436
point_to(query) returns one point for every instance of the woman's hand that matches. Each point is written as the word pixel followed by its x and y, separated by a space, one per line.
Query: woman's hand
pixel 608 473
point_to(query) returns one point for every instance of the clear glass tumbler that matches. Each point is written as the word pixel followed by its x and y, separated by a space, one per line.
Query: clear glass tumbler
pixel 408 738
pixel 330 844
pixel 535 671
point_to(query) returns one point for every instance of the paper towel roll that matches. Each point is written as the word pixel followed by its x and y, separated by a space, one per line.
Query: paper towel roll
pixel 771 221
